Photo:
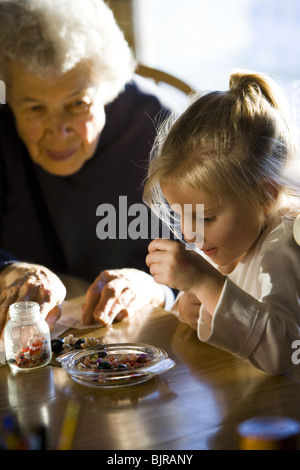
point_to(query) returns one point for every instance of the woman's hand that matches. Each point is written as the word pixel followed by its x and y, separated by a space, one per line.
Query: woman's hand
pixel 120 293
pixel 25 281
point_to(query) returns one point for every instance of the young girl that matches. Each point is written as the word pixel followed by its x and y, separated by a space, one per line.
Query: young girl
pixel 229 151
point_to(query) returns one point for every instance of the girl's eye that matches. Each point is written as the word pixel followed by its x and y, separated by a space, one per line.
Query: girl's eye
pixel 209 220
pixel 80 103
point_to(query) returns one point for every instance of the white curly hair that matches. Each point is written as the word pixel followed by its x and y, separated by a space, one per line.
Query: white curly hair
pixel 50 37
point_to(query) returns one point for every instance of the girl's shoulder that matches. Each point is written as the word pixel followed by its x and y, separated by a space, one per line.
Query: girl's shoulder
pixel 275 256
pixel 279 238
pixel 282 228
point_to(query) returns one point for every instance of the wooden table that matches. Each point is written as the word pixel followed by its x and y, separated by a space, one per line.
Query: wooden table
pixel 196 405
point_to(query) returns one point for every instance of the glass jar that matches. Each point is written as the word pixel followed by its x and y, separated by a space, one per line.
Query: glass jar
pixel 27 337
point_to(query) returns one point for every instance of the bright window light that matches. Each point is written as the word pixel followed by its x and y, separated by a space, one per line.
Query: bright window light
pixel 202 41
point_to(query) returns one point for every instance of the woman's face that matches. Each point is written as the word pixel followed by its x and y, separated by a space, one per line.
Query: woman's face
pixel 59 119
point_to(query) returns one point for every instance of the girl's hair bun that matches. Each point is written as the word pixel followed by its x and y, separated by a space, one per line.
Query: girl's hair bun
pixel 257 84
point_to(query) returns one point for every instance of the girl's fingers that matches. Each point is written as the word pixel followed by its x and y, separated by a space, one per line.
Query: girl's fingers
pixel 154 257
pixel 162 244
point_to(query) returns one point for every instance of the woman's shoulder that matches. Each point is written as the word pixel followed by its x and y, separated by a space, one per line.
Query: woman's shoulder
pixel 6 116
pixel 143 92
pixel 8 131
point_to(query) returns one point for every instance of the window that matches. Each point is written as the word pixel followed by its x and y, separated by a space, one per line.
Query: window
pixel 201 41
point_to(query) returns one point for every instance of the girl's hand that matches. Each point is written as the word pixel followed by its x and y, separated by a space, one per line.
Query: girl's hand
pixel 172 264
pixel 189 309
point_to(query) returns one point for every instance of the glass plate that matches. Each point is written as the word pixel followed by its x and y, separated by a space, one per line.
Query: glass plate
pixel 148 361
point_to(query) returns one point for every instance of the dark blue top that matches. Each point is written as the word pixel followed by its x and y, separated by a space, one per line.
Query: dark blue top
pixel 44 215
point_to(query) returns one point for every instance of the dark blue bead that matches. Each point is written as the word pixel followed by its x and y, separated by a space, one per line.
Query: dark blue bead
pixel 78 343
pixel 57 345
pixel 104 365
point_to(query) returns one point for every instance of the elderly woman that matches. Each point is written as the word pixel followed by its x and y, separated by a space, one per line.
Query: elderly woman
pixel 75 133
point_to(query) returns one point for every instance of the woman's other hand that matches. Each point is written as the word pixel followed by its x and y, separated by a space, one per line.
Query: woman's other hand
pixel 26 281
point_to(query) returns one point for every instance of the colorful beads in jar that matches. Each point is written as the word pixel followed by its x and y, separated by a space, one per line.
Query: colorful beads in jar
pixel 27 337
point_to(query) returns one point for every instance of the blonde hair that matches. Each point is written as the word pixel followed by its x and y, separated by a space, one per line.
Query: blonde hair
pixel 50 37
pixel 234 144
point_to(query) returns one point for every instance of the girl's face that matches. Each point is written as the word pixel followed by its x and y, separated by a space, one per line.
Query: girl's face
pixel 59 119
pixel 230 229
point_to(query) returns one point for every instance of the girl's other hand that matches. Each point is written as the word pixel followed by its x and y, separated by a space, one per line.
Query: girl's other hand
pixel 189 309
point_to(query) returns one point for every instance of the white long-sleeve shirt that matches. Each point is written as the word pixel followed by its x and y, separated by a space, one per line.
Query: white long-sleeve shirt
pixel 258 314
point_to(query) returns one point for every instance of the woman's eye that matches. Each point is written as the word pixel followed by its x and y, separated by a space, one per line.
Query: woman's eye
pixel 79 105
pixel 36 108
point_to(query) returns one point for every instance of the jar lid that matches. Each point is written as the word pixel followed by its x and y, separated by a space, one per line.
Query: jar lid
pixel 269 433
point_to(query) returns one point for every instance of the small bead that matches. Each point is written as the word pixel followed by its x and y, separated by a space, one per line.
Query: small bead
pixel 57 345
pixel 78 343
pixel 104 365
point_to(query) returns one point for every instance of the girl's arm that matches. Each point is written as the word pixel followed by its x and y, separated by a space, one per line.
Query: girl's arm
pixel 261 332
pixel 257 317
pixel 257 321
